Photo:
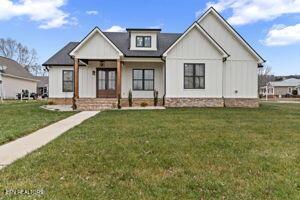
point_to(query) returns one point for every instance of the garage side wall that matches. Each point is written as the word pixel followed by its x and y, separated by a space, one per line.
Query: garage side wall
pixel 12 86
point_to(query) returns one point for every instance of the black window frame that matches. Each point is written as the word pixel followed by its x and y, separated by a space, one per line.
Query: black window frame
pixel 63 81
pixel 143 79
pixel 143 44
pixel 194 76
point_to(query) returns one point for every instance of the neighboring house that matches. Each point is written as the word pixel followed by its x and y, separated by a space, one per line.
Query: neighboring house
pixel 209 65
pixel 42 85
pixel 14 78
pixel 281 88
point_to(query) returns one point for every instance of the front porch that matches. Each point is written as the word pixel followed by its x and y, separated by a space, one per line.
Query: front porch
pixel 98 83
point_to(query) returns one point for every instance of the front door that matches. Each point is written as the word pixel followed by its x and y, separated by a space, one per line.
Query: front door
pixel 106 83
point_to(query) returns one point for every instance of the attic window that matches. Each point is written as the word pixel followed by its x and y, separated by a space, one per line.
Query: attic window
pixel 143 41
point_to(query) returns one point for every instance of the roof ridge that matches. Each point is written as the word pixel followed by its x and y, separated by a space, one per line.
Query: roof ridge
pixel 10 59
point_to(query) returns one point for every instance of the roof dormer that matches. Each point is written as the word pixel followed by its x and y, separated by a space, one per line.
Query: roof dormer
pixel 143 39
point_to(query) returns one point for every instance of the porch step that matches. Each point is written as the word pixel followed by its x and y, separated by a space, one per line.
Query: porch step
pixel 96 104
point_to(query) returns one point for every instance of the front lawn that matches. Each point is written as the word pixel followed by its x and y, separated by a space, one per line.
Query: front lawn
pixel 171 154
pixel 20 118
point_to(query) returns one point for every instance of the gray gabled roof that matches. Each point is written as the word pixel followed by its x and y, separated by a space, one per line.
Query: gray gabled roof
pixel 292 82
pixel 13 68
pixel 122 41
pixel 62 56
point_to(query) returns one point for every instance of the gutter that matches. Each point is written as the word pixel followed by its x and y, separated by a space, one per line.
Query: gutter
pixel 28 79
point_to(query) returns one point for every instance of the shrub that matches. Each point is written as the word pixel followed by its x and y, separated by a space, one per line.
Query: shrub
pixel 130 98
pixel 119 101
pixel 144 104
pixel 295 92
pixel 155 95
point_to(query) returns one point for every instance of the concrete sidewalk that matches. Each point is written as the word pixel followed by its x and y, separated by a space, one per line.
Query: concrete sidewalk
pixel 17 149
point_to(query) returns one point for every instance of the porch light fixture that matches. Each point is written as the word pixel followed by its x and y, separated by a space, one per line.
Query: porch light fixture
pixel 94 73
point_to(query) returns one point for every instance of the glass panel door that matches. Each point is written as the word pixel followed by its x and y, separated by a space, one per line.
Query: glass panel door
pixel 106 83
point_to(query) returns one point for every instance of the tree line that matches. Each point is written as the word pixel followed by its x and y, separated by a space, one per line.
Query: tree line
pixel 25 56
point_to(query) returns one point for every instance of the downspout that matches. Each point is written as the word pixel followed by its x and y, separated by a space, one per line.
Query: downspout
pixel 223 78
pixel 165 81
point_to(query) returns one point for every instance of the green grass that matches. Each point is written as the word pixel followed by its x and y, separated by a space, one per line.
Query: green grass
pixel 21 118
pixel 172 154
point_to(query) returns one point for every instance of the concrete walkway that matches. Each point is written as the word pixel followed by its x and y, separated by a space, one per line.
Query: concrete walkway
pixel 17 149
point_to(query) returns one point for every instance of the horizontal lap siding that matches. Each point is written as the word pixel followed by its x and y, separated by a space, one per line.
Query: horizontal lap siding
pixel 12 86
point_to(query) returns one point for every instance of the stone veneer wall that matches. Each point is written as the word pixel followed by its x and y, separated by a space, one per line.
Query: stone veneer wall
pixel 241 103
pixel 170 102
pixel 137 102
pixel 61 101
pixel 194 102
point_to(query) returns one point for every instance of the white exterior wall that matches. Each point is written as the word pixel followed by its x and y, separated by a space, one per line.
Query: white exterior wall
pixel 153 36
pixel 97 47
pixel 194 48
pixel 55 82
pixel 12 86
pixel 1 88
pixel 240 68
pixel 241 80
pixel 87 80
pixel 127 79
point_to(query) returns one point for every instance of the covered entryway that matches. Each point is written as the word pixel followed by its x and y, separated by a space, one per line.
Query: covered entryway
pixel 106 83
pixel 96 85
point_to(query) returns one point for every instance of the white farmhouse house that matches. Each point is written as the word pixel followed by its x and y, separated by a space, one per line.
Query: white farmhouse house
pixel 209 65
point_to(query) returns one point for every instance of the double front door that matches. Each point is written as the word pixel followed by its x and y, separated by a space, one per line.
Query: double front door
pixel 106 83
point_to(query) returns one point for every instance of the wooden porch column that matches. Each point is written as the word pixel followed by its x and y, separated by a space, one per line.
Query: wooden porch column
pixel 119 77
pixel 76 82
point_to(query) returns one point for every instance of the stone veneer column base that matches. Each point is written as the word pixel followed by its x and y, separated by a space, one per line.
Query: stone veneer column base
pixel 241 103
pixel 61 101
pixel 194 102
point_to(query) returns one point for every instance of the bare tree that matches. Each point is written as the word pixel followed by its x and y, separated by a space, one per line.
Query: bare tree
pixel 37 70
pixel 12 49
pixel 265 76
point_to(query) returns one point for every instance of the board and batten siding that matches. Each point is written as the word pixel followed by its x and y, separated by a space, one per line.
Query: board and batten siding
pixel 241 77
pixel 56 82
pixel 127 80
pixel 97 47
pixel 194 48
pixel 87 78
pixel 153 36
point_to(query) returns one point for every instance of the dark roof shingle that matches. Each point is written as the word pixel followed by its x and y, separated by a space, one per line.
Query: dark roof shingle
pixel 121 41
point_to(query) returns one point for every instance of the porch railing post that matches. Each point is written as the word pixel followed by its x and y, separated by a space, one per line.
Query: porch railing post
pixel 119 77
pixel 76 82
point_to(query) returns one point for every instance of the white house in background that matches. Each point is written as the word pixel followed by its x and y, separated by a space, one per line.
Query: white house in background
pixel 209 65
pixel 281 88
pixel 14 78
